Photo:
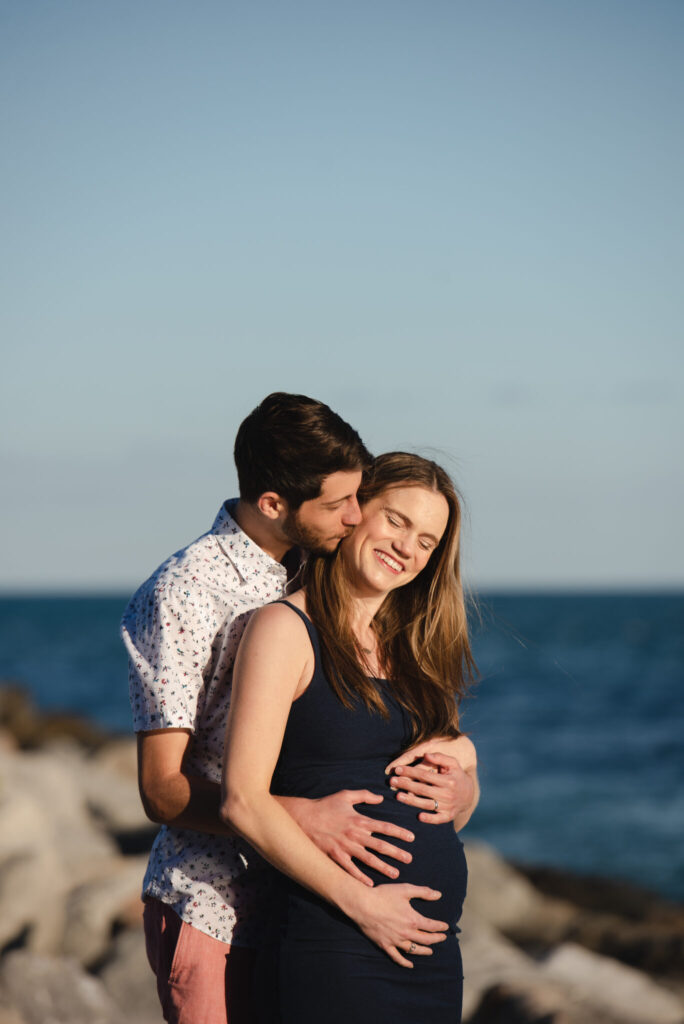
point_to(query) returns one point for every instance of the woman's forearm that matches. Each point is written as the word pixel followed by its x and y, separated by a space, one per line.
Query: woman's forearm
pixel 264 822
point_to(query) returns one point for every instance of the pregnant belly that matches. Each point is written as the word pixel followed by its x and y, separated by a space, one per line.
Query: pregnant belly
pixel 438 861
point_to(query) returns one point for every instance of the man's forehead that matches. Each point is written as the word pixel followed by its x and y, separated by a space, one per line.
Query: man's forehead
pixel 342 484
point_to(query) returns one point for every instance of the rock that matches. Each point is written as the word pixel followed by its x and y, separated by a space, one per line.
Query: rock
pixel 8 744
pixel 32 728
pixel 32 879
pixel 630 996
pixel 649 937
pixel 526 1002
pixel 18 713
pixel 653 947
pixel 496 892
pixel 499 894
pixel 619 919
pixel 67 826
pixel 48 990
pixel 109 787
pixel 604 895
pixel 120 757
pixel 49 846
pixel 10 1016
pixel 129 980
pixel 96 908
pixel 488 958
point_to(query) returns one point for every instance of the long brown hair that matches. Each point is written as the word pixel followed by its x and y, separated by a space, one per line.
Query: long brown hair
pixel 422 628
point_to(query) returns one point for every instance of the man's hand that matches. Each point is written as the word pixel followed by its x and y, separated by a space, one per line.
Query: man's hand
pixel 333 824
pixel 442 785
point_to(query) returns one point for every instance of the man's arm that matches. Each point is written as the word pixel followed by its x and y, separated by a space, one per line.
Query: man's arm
pixel 443 784
pixel 172 796
pixel 169 794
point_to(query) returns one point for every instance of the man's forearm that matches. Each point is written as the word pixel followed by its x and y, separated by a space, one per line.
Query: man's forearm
pixel 462 818
pixel 191 801
pixel 186 801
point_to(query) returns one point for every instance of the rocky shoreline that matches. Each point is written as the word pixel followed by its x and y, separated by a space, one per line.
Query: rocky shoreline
pixel 540 946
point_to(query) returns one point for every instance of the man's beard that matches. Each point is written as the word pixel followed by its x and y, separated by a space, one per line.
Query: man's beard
pixel 311 540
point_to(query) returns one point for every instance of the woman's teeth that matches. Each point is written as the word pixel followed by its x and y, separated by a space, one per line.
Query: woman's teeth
pixel 391 563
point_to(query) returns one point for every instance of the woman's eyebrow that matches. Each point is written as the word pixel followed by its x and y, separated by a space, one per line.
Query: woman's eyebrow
pixel 407 522
pixel 398 514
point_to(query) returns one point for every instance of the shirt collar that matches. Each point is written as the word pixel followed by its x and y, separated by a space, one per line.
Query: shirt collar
pixel 248 558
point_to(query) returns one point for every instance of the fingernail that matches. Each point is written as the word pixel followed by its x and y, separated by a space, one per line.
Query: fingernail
pixel 394 873
pixel 398 770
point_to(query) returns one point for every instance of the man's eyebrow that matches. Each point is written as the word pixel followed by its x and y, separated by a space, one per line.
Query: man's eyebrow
pixel 408 522
pixel 336 501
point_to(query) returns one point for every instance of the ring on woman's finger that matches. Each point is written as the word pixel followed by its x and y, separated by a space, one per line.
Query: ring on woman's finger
pixel 436 805
pixel 412 948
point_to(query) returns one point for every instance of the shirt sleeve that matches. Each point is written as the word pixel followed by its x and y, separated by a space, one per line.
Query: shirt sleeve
pixel 168 635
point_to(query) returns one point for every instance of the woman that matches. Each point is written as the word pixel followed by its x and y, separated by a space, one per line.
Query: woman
pixel 369 658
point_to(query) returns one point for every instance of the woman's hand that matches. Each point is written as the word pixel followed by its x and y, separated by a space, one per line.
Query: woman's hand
pixel 386 916
pixel 443 782
pixel 339 830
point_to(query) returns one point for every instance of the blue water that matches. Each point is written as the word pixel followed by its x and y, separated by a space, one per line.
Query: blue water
pixel 578 717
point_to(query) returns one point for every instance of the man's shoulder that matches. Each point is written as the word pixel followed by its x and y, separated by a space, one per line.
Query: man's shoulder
pixel 200 568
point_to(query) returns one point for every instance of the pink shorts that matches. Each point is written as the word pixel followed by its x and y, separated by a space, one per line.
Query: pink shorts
pixel 199 979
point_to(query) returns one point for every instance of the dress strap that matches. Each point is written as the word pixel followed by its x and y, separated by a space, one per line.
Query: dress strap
pixel 310 628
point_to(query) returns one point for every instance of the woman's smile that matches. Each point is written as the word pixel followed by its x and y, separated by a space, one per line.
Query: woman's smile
pixel 389 562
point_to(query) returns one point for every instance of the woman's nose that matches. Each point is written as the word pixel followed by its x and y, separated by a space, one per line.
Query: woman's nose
pixel 403 545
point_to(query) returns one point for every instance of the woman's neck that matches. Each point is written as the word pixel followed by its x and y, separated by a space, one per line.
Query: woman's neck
pixel 362 612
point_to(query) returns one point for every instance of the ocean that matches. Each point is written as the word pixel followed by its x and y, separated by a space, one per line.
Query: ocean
pixel 578 717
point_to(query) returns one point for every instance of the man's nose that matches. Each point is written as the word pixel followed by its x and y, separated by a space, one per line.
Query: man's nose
pixel 352 513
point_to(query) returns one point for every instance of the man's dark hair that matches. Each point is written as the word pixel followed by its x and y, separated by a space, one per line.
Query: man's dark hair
pixel 289 443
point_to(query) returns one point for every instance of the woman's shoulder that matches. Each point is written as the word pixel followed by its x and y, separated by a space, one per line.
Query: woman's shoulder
pixel 281 618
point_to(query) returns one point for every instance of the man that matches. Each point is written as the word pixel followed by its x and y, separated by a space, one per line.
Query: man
pixel 207 893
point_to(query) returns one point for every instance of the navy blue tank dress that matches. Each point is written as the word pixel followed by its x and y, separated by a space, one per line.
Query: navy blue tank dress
pixel 329 971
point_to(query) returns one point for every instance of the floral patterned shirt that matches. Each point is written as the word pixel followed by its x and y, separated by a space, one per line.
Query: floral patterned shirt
pixel 181 630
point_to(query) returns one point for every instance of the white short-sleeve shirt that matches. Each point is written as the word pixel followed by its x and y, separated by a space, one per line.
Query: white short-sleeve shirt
pixel 182 629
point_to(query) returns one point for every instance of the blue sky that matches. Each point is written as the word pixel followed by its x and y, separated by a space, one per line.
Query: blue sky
pixel 459 224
